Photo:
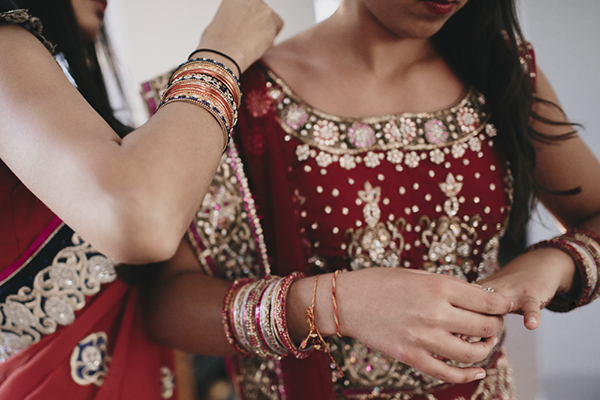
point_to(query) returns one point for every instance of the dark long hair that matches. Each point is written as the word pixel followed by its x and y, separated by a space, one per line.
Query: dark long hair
pixel 61 29
pixel 484 45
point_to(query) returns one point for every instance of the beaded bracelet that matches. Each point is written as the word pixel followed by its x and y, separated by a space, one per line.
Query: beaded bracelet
pixel 210 85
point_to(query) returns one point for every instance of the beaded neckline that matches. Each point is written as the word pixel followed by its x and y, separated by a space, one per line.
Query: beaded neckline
pixel 409 131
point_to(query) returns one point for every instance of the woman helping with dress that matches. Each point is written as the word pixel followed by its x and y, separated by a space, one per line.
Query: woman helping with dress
pixel 78 196
pixel 397 141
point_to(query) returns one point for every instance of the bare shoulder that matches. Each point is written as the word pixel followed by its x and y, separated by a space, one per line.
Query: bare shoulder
pixel 293 56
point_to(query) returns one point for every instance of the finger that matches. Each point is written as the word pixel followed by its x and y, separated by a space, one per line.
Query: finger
pixel 473 298
pixel 531 313
pixel 472 324
pixel 457 349
pixel 438 369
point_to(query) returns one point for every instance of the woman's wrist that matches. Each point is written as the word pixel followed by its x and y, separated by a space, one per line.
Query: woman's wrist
pixel 224 58
pixel 562 266
pixel 300 299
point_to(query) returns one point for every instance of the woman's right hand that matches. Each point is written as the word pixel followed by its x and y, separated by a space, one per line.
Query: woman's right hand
pixel 242 29
pixel 409 315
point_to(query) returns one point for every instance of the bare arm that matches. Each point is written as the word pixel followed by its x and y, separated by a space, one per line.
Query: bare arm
pixel 134 197
pixel 409 315
pixel 533 279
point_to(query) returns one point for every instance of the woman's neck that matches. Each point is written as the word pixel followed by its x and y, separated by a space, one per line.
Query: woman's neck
pixel 363 42
pixel 350 65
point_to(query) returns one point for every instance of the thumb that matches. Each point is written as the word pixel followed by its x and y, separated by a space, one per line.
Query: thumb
pixel 531 313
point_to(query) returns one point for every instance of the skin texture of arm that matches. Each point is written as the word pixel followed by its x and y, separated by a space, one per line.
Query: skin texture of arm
pixel 534 278
pixel 132 198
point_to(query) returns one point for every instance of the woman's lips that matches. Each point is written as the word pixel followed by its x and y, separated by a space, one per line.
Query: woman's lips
pixel 439 7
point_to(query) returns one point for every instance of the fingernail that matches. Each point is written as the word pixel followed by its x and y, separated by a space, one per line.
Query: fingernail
pixel 512 304
pixel 480 375
pixel 532 320
pixel 496 340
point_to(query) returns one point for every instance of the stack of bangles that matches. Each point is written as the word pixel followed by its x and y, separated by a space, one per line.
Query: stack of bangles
pixel 210 85
pixel 254 319
pixel 584 247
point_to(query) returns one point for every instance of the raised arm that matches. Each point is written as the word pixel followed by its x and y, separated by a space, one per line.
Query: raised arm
pixel 132 198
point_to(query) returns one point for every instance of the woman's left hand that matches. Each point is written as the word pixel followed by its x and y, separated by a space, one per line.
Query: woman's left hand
pixel 532 280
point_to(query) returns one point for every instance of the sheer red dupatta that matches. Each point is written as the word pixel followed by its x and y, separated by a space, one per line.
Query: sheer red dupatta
pixel 267 175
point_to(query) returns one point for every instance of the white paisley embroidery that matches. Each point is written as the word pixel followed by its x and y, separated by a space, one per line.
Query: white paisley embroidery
pixel 57 292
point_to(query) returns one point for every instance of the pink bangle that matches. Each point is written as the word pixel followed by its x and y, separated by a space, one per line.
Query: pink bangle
pixel 227 315
pixel 280 317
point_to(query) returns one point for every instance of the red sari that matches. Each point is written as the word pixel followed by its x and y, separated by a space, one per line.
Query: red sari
pixel 69 328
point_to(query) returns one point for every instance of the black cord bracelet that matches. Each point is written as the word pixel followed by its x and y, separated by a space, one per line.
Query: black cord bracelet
pixel 221 54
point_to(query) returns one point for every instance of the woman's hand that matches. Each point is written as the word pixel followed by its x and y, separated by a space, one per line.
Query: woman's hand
pixel 532 280
pixel 242 29
pixel 409 315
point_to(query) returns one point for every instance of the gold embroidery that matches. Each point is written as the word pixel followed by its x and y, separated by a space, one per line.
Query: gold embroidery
pixel 378 244
pixel 259 379
pixel 497 385
pixel 229 236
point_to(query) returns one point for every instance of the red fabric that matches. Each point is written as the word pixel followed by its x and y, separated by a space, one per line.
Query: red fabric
pixel 42 371
pixel 22 217
pixel 294 217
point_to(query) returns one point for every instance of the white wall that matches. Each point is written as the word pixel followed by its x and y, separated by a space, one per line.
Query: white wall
pixel 566 37
pixel 152 36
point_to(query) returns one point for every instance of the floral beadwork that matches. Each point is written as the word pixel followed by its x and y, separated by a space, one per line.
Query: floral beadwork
pixel 361 135
pixel 397 136
pixel 294 116
pixel 468 119
pixel 89 360
pixel 436 132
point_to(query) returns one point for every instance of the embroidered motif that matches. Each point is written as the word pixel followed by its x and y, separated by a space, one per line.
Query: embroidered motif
pixel 259 379
pixel 226 232
pixel 378 244
pixel 167 383
pixel 89 360
pixel 57 292
pixel 258 103
pixel 372 375
pixel 29 22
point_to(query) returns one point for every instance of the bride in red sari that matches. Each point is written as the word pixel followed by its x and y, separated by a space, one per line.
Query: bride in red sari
pixel 397 142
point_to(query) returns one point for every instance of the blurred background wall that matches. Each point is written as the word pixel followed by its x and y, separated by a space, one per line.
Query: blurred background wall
pixel 561 360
